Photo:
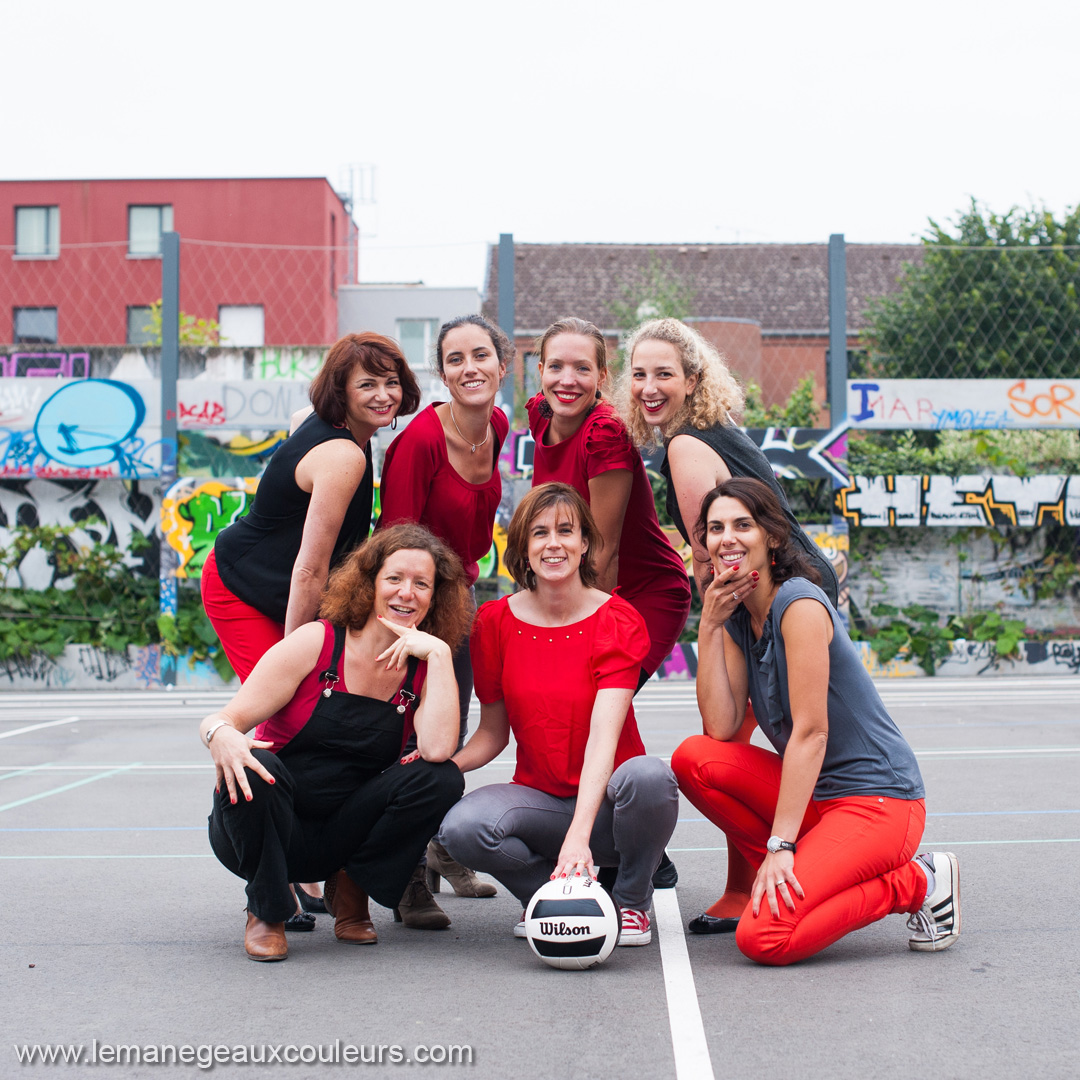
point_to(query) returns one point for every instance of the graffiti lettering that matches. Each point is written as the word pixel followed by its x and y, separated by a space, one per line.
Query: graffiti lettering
pixel 194 511
pixel 964 403
pixel 963 500
pixel 50 365
pixel 1052 403
pixel 206 412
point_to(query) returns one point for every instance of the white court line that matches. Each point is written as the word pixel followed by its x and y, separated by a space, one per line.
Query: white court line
pixel 66 787
pixel 692 1061
pixel 36 727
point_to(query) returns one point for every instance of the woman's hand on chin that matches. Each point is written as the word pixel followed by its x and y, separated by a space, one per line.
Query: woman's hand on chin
pixel 410 642
pixel 231 751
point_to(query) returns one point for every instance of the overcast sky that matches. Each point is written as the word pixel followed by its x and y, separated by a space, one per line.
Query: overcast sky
pixel 590 120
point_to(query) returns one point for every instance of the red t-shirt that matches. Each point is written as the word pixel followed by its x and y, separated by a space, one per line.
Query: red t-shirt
pixel 419 484
pixel 283 725
pixel 647 562
pixel 548 677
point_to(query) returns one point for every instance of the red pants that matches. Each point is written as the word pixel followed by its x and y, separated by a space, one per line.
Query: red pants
pixel 854 857
pixel 244 632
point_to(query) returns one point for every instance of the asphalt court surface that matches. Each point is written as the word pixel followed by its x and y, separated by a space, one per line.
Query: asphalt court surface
pixel 119 924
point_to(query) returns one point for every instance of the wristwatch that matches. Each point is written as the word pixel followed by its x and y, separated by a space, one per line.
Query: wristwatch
pixel 210 731
pixel 776 844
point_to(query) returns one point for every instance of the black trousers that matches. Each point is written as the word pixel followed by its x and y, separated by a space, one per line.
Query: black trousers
pixel 377 834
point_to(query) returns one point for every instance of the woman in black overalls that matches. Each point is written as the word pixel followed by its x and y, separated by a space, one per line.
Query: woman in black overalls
pixel 321 792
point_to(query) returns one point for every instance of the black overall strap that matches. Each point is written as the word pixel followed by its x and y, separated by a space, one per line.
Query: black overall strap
pixel 406 696
pixel 330 675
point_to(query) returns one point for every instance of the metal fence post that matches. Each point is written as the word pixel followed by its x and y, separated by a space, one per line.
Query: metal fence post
pixel 170 372
pixel 837 380
pixel 506 302
pixel 837 330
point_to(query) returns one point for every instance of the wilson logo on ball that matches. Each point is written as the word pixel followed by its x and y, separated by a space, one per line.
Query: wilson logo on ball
pixel 550 929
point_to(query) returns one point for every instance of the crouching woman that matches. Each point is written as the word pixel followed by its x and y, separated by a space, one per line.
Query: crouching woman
pixel 832 816
pixel 320 793
pixel 557 664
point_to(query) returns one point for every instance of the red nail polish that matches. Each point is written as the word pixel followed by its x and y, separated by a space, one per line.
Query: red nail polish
pixel 272 780
pixel 754 574
pixel 232 799
pixel 248 797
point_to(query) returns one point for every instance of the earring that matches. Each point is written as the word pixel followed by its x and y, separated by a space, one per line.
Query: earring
pixel 393 424
pixel 598 394
pixel 544 409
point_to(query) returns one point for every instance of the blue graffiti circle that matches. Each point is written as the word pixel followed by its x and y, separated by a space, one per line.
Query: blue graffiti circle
pixel 86 423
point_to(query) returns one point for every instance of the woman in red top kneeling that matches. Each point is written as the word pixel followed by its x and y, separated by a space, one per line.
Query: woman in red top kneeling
pixel 557 664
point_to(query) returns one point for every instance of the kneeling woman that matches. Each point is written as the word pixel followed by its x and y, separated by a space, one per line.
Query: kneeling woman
pixel 320 793
pixel 557 664
pixel 833 818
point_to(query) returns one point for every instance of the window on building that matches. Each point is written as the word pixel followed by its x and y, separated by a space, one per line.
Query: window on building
pixel 242 325
pixel 139 331
pixel 37 231
pixel 145 226
pixel 35 326
pixel 417 339
pixel 530 367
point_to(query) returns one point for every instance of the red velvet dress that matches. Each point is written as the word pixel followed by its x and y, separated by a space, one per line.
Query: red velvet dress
pixel 548 677
pixel 652 577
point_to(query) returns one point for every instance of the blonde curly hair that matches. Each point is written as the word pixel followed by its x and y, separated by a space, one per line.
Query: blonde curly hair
pixel 716 395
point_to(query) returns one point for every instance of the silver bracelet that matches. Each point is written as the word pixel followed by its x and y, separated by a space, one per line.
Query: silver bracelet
pixel 210 733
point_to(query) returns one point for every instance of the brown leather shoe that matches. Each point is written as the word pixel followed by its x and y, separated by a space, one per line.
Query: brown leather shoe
pixel 348 903
pixel 265 940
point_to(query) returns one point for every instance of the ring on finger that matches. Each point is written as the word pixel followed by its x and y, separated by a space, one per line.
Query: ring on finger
pixel 734 596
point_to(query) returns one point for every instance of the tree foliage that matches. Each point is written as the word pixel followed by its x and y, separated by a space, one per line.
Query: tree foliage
pixel 194 332
pixel 996 297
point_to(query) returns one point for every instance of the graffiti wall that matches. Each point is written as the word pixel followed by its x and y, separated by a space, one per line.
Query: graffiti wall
pixel 102 511
pixel 85 667
pixel 967 570
pixel 793 453
pixel 962 500
pixel 970 404
pixel 99 428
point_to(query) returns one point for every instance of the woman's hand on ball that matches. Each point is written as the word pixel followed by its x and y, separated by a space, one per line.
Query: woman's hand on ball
pixel 575 858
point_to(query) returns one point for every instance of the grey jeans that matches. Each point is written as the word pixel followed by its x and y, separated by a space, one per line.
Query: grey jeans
pixel 515 832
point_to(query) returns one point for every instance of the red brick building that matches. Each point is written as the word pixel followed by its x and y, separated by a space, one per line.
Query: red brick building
pixel 80 259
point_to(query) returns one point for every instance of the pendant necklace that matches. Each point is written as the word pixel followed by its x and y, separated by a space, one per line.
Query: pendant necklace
pixel 475 446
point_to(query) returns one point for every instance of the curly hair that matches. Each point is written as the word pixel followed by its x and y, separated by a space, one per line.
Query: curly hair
pixel 535 503
pixel 349 596
pixel 570 325
pixel 503 346
pixel 377 355
pixel 789 558
pixel 716 395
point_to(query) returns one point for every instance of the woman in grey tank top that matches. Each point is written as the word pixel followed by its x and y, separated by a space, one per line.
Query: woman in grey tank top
pixel 677 390
pixel 831 816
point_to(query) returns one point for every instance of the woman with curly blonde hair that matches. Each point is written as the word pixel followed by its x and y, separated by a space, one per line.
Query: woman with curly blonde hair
pixel 677 390
pixel 322 792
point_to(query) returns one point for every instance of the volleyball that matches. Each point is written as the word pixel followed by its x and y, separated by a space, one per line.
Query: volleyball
pixel 572 923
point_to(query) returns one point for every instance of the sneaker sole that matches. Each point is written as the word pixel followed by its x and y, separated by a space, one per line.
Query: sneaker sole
pixel 941 943
pixel 637 939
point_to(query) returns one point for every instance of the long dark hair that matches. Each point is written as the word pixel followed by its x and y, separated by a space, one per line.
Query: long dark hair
pixel 789 559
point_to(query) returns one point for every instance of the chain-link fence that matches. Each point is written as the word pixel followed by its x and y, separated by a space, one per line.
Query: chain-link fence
pixel 977 313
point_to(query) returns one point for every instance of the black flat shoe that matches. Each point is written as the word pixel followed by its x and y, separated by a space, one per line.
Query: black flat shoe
pixel 313 904
pixel 301 922
pixel 709 924
pixel 666 876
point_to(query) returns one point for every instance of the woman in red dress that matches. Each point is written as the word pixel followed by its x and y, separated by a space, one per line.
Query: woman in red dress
pixel 557 664
pixel 582 441
pixel 442 471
